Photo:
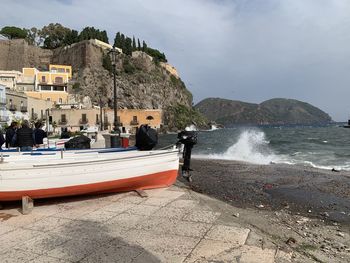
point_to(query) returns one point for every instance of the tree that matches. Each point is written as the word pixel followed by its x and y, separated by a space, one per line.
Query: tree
pixel 133 43
pixel 33 36
pixel 12 32
pixel 122 41
pixel 71 38
pixel 138 44
pixel 104 36
pixel 128 46
pixel 144 46
pixel 118 40
pixel 54 35
pixel 107 63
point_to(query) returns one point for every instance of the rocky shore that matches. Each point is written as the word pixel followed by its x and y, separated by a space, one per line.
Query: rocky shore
pixel 306 208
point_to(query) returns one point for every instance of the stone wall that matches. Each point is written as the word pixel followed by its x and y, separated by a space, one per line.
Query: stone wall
pixel 16 54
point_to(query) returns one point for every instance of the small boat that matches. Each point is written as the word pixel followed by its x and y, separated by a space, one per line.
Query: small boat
pixel 44 174
pixel 347 126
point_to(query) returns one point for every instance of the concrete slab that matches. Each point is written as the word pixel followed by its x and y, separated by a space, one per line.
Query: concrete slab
pixel 162 226
pixel 99 215
pixel 42 244
pixel 156 201
pixel 75 250
pixel 5 229
pixel 144 210
pixel 48 223
pixel 202 216
pixel 168 248
pixel 119 207
pixel 170 212
pixel 14 256
pixel 230 234
pixel 116 251
pixel 183 204
pixel 251 254
pixel 11 239
pixel 46 259
pixel 213 250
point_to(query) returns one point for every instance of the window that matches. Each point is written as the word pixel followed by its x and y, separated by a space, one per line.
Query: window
pixel 22 104
pixel 63 118
pixel 134 118
pixel 83 117
pixel 43 79
pixel 68 70
pixel 10 101
pixel 48 99
pixel 60 100
pixel 59 80
pixel 150 118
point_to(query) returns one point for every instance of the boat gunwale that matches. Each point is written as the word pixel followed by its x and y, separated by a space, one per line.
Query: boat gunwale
pixel 90 162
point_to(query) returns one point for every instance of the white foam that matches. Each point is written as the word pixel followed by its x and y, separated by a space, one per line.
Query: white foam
pixel 251 146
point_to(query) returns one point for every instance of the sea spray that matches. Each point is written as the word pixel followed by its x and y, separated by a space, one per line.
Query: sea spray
pixel 251 146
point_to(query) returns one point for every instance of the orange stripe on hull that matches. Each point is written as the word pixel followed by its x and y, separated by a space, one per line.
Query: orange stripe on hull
pixel 156 180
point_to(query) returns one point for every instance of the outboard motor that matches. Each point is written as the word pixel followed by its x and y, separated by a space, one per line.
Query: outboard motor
pixel 146 138
pixel 188 139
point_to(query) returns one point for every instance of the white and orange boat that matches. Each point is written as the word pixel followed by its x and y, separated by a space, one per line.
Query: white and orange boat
pixel 52 174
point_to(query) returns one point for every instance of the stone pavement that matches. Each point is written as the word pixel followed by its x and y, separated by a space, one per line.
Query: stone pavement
pixel 170 225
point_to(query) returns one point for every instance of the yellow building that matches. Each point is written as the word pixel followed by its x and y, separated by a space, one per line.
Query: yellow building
pixel 61 69
pixel 49 85
pixel 129 119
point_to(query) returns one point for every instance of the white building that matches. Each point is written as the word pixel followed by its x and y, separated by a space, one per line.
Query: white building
pixel 3 112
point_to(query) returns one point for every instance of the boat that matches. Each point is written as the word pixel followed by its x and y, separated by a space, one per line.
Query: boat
pixel 347 126
pixel 55 173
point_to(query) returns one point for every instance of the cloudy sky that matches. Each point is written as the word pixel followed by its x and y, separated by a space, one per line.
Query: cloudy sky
pixel 250 50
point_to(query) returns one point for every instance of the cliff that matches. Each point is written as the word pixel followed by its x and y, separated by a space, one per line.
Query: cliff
pixel 274 111
pixel 141 82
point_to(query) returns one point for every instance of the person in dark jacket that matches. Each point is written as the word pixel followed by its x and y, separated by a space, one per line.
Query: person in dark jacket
pixel 39 134
pixel 10 132
pixel 2 139
pixel 25 137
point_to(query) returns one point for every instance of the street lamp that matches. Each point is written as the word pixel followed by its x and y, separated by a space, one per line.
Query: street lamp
pixel 114 52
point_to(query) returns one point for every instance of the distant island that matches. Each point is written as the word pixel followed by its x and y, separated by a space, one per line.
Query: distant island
pixel 278 111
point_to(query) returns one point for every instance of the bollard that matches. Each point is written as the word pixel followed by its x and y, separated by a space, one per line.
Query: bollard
pixel 2 158
pixel 27 205
pixel 61 153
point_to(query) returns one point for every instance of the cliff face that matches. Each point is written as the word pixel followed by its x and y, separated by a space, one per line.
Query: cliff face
pixel 274 111
pixel 141 82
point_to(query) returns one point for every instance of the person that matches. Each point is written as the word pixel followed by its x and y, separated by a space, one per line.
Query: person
pixel 2 139
pixel 39 134
pixel 10 132
pixel 65 134
pixel 25 137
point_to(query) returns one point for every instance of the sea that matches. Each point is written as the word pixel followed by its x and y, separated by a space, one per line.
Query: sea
pixel 324 147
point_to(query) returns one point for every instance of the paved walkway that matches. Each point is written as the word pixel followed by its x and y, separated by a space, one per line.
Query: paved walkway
pixel 170 225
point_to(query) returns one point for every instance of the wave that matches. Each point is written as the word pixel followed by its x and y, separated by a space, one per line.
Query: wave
pixel 251 147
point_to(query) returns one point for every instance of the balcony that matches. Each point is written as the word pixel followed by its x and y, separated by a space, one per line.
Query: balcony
pixel 62 122
pixel 12 108
pixel 83 121
pixel 24 109
pixel 134 122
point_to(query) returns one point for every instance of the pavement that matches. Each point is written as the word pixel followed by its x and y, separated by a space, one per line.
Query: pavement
pixel 172 224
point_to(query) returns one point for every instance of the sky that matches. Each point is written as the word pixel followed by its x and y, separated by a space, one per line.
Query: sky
pixel 249 50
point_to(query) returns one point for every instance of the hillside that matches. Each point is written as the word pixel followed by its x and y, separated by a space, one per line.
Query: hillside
pixel 142 83
pixel 274 111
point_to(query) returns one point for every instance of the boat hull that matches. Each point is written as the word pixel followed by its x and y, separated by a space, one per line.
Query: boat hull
pixel 40 177
pixel 151 181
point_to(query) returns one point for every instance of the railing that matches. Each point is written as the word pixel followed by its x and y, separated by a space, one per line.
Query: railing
pixel 24 109
pixel 133 122
pixel 12 108
pixel 83 121
pixel 62 122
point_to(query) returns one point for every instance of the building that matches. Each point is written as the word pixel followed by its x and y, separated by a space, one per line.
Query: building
pixel 9 78
pixel 129 119
pixel 48 85
pixel 16 105
pixel 3 111
pixel 38 109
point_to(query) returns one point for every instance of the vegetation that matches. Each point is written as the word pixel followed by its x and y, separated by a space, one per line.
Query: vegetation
pixel 184 116
pixel 12 32
pixel 107 63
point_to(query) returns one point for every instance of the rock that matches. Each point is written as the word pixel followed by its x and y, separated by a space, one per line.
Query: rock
pixel 340 234
pixel 260 206
pixel 236 215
